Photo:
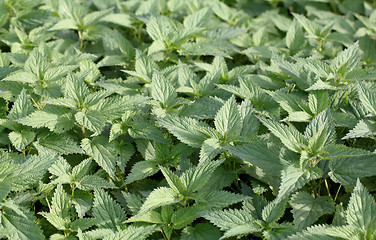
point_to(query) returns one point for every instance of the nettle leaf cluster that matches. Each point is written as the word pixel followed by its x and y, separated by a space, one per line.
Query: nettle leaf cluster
pixel 192 120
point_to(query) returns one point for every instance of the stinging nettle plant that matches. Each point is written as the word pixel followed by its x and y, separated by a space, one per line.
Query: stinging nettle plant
pixel 192 120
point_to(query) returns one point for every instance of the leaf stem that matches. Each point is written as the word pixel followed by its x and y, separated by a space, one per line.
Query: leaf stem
pixel 339 188
pixel 327 187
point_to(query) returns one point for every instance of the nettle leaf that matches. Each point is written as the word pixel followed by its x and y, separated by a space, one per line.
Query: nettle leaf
pixel 162 90
pixel 293 178
pixel 59 143
pixel 20 227
pixel 133 233
pixel 227 120
pixel 263 155
pixel 307 209
pixel 196 177
pixel 107 211
pixel 274 210
pixel 202 231
pixel 57 119
pixel 102 152
pixel 367 98
pixel 361 210
pixel 185 129
pixel 21 139
pixel 21 107
pixel 346 169
pixel 290 137
pixel 159 197
pixel 233 222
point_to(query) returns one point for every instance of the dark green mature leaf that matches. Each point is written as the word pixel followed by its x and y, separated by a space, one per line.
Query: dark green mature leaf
pixel 102 152
pixel 307 209
pixel 108 212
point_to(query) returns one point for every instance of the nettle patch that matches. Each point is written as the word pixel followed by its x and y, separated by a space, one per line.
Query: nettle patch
pixel 192 120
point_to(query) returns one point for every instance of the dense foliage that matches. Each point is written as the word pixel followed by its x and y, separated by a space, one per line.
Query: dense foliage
pixel 192 120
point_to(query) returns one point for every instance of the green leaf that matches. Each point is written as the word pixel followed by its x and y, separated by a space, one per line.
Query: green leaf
pixel 294 37
pixel 347 169
pixel 147 131
pixel 290 137
pixel 92 120
pixel 361 210
pixel 91 182
pixel 141 170
pixel 367 98
pixel 218 199
pixel 311 27
pixel 57 119
pixel 102 152
pixel 195 178
pixel 197 19
pixel 61 204
pixel 210 148
pixel 201 231
pixel 185 129
pixel 162 90
pixel 293 178
pixel 20 227
pixel 107 211
pixel 363 129
pixel 185 216
pixel 306 209
pixel 274 211
pixel 318 101
pixel 30 171
pixel 21 107
pixel 59 143
pixel 21 139
pixel 173 181
pixel 81 169
pixel 266 156
pixel 159 197
pixel 227 120
pixel 133 233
